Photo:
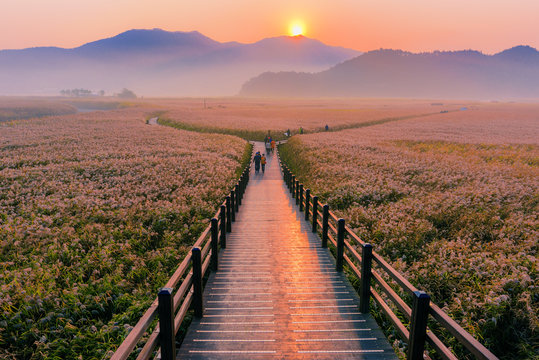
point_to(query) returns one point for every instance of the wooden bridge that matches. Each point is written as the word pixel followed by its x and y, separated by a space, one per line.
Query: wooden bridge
pixel 277 292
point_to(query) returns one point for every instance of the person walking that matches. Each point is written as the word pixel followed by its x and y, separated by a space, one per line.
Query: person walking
pixel 263 163
pixel 272 146
pixel 257 159
pixel 300 130
pixel 268 146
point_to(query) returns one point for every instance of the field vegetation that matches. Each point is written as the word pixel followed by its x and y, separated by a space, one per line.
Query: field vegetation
pixel 21 108
pixel 98 208
pixel 452 201
pixel 252 118
pixel 96 212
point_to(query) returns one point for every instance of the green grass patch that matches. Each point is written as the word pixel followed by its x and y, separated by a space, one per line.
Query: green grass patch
pixel 250 135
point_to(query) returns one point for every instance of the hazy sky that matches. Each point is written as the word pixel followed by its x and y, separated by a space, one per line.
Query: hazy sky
pixel 414 25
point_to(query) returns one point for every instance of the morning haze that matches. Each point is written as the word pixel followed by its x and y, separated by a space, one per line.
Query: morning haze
pixel 160 63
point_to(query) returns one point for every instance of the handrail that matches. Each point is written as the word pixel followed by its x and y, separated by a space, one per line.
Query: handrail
pixel 352 257
pixel 184 280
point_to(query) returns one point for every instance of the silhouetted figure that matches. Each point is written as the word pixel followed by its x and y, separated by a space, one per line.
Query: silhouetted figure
pixel 257 159
pixel 300 130
pixel 327 127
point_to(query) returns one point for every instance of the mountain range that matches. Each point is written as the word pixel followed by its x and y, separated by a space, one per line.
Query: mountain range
pixel 161 63
pixel 158 62
pixel 510 74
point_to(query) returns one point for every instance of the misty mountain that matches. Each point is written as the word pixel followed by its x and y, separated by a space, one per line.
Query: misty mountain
pixel 158 62
pixel 510 74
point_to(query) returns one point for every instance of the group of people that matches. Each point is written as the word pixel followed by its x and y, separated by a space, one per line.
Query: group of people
pixel 260 159
pixel 269 144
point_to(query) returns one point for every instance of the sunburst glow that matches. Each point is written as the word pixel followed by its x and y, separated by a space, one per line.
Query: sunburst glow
pixel 296 29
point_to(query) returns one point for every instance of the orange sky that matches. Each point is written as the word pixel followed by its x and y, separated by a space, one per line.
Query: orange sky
pixel 414 25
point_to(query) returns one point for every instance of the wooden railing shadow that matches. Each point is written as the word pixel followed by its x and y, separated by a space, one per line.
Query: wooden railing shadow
pixel 183 291
pixel 359 258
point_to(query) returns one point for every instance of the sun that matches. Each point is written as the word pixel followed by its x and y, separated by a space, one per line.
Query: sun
pixel 296 29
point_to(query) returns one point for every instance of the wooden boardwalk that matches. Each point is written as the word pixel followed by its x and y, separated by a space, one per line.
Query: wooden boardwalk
pixel 276 294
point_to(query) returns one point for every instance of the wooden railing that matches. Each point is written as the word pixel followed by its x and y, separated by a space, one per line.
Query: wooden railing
pixel 184 289
pixel 374 273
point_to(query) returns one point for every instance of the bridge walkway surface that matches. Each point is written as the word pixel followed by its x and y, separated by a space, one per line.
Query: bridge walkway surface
pixel 276 294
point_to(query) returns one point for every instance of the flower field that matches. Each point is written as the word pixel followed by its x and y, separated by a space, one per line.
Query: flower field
pixel 252 118
pixel 452 201
pixel 21 108
pixel 96 211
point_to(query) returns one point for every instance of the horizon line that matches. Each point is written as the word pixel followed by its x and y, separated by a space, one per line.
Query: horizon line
pixel 269 37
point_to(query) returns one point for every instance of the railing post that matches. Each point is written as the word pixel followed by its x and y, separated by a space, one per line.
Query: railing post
pixel 232 206
pixel 243 181
pixel 197 282
pixel 365 291
pixel 228 215
pixel 214 245
pixel 301 197
pixel 307 203
pixel 340 245
pixel 418 325
pixel 325 225
pixel 297 192
pixel 242 185
pixel 238 198
pixel 287 172
pixel 293 187
pixel 315 213
pixel 166 324
pixel 223 226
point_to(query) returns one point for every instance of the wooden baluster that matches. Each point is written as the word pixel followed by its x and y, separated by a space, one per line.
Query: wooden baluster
pixel 301 197
pixel 197 282
pixel 233 203
pixel 315 213
pixel 238 198
pixel 223 226
pixel 418 325
pixel 307 203
pixel 214 244
pixel 325 225
pixel 228 215
pixel 366 274
pixel 340 244
pixel 167 338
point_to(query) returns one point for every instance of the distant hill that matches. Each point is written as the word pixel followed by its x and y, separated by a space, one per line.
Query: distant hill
pixel 510 74
pixel 158 62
